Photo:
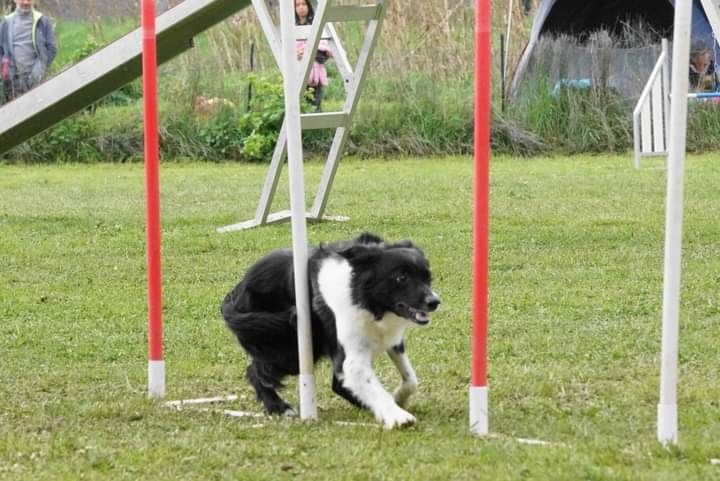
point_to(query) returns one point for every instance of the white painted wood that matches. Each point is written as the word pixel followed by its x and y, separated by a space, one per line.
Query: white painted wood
pixel 371 37
pixel 353 82
pixel 107 70
pixel 651 113
pixel 646 127
pixel 667 430
pixel 291 79
pixel 656 106
pixel 330 120
pixel 271 32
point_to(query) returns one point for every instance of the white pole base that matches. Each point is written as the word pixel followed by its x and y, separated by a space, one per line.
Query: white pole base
pixel 156 379
pixel 667 423
pixel 308 403
pixel 479 410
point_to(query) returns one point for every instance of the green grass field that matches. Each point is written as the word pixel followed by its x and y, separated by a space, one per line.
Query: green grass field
pixel 575 301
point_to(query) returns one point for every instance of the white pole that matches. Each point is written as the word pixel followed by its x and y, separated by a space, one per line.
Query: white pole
pixel 308 407
pixel 667 425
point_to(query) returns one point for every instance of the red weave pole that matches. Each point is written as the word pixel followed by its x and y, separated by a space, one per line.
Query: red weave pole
pixel 481 187
pixel 152 182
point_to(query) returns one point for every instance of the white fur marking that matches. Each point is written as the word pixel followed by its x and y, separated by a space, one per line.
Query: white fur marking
pixel 363 339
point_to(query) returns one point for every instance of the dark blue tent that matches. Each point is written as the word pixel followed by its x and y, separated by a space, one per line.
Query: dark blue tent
pixel 579 19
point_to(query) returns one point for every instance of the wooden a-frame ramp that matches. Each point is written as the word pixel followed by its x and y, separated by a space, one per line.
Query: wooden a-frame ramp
pixel 353 80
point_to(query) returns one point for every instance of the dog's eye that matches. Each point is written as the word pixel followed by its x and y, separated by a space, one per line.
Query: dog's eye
pixel 400 278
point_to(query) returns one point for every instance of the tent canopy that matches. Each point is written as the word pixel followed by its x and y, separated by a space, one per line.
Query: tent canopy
pixel 575 18
pixel 579 19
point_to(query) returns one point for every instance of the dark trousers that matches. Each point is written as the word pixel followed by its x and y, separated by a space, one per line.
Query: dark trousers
pixel 317 97
pixel 17 85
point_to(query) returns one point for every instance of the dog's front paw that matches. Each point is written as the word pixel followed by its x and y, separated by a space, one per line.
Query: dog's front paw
pixel 398 418
pixel 403 393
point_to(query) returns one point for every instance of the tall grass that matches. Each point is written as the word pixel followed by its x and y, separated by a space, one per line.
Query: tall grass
pixel 575 119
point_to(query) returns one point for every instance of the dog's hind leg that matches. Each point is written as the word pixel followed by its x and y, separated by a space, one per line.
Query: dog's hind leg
pixel 266 380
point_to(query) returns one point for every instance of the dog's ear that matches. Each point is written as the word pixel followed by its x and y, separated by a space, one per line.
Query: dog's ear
pixel 369 238
pixel 359 254
pixel 404 243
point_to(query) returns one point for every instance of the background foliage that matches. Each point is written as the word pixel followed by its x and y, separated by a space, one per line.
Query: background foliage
pixel 418 98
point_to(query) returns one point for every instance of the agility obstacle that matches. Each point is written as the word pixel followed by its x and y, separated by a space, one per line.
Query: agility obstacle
pixel 291 139
pixel 295 76
pixel 478 396
pixel 327 13
pixel 660 128
pixel 306 381
pixel 667 411
pixel 156 363
pixel 651 116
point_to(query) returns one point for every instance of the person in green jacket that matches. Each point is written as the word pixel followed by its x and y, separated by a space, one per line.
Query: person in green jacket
pixel 28 47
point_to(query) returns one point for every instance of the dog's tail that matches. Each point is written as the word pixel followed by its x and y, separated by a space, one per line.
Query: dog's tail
pixel 266 336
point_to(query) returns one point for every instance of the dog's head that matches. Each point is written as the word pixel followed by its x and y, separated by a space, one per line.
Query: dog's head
pixel 393 278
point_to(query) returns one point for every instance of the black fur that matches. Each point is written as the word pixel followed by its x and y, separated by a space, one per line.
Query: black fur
pixel 260 310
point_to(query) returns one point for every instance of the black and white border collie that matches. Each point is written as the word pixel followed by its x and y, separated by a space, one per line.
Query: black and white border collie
pixel 364 294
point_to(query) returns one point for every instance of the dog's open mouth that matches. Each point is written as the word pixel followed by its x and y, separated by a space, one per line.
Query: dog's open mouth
pixel 418 316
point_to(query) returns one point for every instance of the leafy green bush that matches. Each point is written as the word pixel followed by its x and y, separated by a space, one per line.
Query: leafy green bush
pixel 221 134
pixel 260 124
pixel 70 140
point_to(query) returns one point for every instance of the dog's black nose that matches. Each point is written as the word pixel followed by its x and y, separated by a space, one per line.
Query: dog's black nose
pixel 432 302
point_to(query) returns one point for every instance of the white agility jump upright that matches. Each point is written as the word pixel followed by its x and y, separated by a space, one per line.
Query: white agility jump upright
pixel 353 81
pixel 667 412
pixel 651 116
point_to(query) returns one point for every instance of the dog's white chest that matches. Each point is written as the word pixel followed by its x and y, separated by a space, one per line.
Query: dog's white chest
pixel 356 327
pixel 385 333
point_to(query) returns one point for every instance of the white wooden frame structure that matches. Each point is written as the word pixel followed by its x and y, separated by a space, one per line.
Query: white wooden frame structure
pixel 651 116
pixel 325 15
pixel 667 410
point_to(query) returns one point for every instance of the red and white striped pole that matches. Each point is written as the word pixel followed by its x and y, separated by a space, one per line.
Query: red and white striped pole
pixel 156 364
pixel 481 214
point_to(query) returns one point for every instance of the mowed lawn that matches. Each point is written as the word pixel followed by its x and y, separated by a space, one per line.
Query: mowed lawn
pixel 575 310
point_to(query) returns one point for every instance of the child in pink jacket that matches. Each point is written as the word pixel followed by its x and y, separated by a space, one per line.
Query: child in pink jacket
pixel 318 79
